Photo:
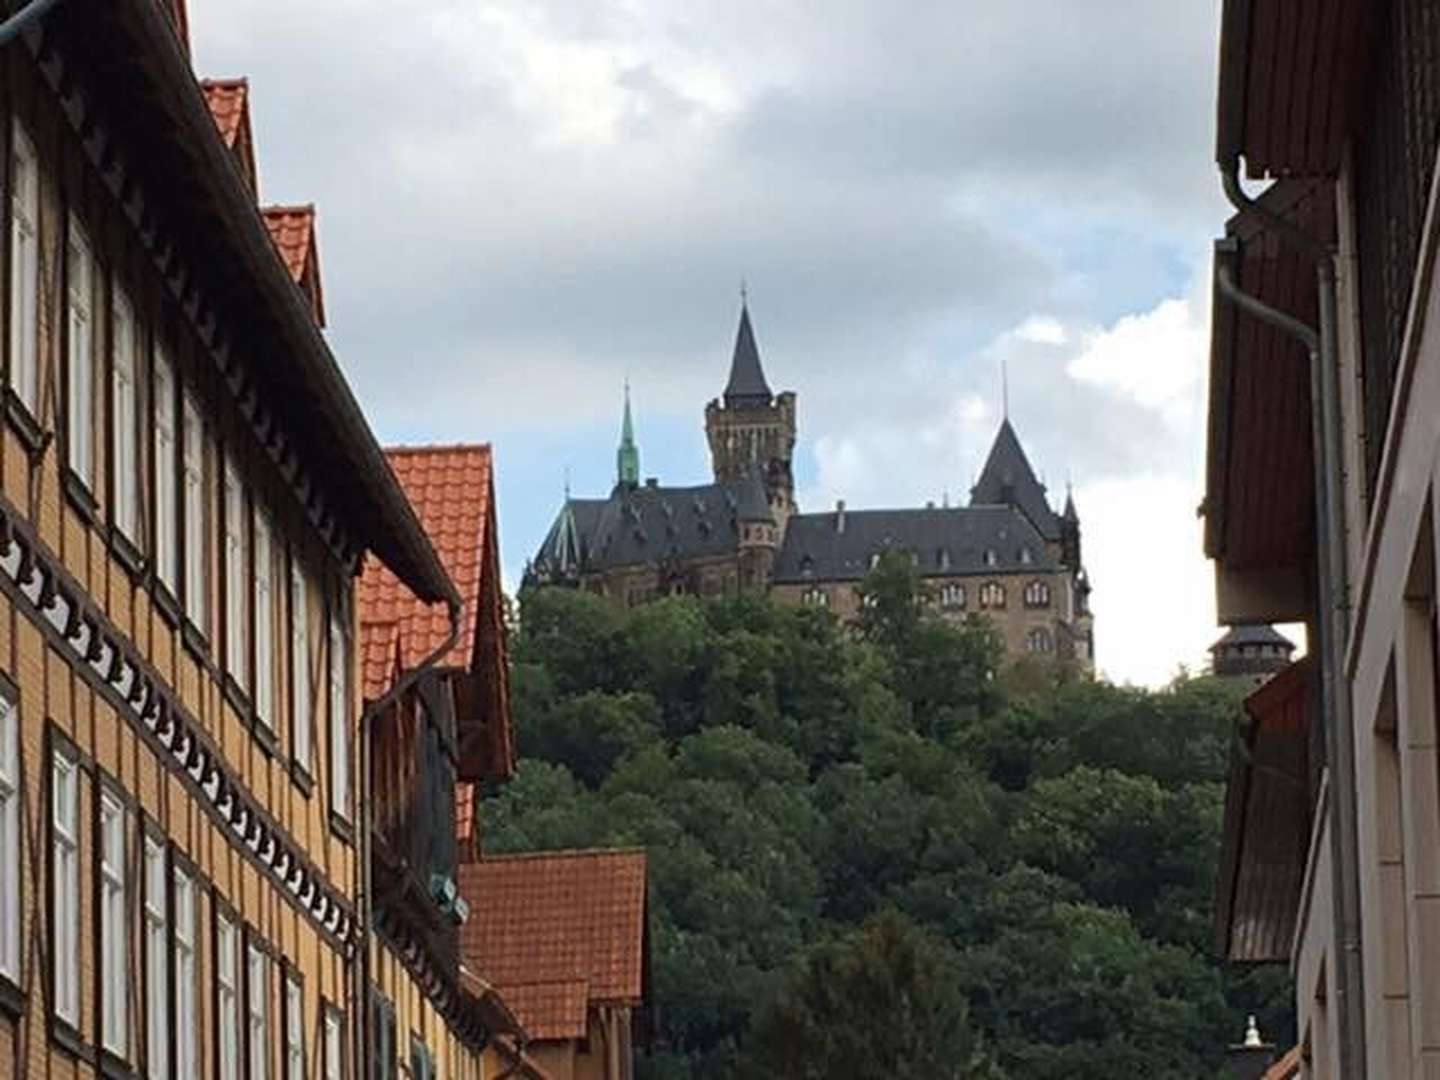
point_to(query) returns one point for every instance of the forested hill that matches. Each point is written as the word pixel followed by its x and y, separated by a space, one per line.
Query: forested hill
pixel 884 857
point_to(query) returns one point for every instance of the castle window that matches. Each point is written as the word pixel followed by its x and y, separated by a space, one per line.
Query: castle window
pixel 992 596
pixel 1040 641
pixel 816 597
pixel 1026 558
pixel 990 558
pixel 952 595
pixel 1037 595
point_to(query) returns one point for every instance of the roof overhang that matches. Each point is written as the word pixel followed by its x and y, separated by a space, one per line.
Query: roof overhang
pixel 1290 76
pixel 1259 501
pixel 1268 804
pixel 138 70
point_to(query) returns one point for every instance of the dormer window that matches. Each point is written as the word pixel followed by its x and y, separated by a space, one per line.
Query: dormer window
pixel 874 559
pixel 990 557
pixel 1026 558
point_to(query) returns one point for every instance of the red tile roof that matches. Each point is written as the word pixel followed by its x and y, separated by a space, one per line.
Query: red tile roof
pixel 292 228
pixel 543 923
pixel 466 837
pixel 229 101
pixel 379 657
pixel 550 1011
pixel 453 491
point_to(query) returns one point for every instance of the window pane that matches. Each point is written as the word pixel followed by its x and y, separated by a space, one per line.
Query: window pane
pixel 80 345
pixel 24 268
pixel 65 880
pixel 258 997
pixel 334 1047
pixel 123 395
pixel 237 622
pixel 264 619
pixel 187 1015
pixel 294 1031
pixel 113 928
pixel 227 992
pixel 9 840
pixel 302 686
pixel 196 530
pixel 339 720
pixel 167 544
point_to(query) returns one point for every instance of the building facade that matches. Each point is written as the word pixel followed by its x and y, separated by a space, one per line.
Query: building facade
pixel 187 490
pixel 1008 555
pixel 1324 470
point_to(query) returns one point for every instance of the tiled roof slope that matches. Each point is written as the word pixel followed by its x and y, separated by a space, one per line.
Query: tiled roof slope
pixel 551 1010
pixel 379 657
pixel 1287 1068
pixel 293 230
pixel 229 101
pixel 538 920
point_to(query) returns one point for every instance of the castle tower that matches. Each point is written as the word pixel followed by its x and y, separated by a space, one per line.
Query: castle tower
pixel 627 457
pixel 752 431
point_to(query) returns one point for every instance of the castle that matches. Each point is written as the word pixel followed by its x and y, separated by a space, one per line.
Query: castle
pixel 1007 554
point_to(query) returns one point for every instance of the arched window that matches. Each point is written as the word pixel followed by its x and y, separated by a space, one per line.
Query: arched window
pixel 816 597
pixel 992 596
pixel 952 595
pixel 1037 595
pixel 1040 641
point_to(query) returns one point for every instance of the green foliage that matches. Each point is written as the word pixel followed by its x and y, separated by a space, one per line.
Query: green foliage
pixel 880 854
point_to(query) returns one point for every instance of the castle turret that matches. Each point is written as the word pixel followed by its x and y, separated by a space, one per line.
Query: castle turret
pixel 751 430
pixel 627 457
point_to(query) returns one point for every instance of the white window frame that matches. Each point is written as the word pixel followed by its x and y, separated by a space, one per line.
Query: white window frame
pixel 80 274
pixel 24 269
pixel 334 1044
pixel 114 928
pixel 339 719
pixel 124 396
pixel 65 884
pixel 302 682
pixel 294 1028
pixel 10 900
pixel 227 996
pixel 257 1011
pixel 157 964
pixel 167 520
pixel 192 471
pixel 263 578
pixel 186 976
pixel 237 596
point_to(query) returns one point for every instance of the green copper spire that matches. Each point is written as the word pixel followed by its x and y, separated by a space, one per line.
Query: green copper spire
pixel 627 458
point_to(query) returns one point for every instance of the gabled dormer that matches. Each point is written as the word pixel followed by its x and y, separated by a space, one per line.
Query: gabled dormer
pixel 229 101
pixel 292 228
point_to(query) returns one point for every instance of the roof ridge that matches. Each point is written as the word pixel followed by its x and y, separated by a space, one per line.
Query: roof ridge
pixel 563 853
pixel 437 448
pixel 225 82
pixel 288 208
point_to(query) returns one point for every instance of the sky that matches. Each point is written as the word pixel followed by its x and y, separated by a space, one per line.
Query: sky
pixel 524 204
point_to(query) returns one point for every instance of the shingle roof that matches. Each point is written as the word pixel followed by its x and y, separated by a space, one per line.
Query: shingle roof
pixel 944 541
pixel 1008 479
pixel 557 920
pixel 747 385
pixel 647 524
pixel 293 230
pixel 1253 634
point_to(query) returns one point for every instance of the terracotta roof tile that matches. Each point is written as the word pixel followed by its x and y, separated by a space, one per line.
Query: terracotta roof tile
pixel 229 101
pixel 292 228
pixel 550 1010
pixel 464 815
pixel 450 488
pixel 558 918
pixel 379 657
pixel 1287 1068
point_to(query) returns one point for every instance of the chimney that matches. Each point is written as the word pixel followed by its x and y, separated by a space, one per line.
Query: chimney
pixel 840 516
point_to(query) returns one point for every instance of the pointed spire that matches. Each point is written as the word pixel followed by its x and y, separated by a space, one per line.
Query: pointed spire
pixel 1008 480
pixel 1070 513
pixel 627 457
pixel 747 385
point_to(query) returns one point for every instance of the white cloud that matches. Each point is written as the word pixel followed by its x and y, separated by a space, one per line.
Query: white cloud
pixel 1041 330
pixel 1156 357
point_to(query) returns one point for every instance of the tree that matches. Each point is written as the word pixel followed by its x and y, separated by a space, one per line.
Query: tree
pixel 884 1000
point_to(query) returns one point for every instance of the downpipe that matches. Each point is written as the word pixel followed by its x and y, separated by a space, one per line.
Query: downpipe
pixel 1334 614
pixel 363 914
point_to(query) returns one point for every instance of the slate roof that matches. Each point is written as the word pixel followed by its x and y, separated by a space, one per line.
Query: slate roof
pixel 292 228
pixel 649 524
pixel 543 925
pixel 946 541
pixel 1252 634
pixel 1008 479
pixel 747 385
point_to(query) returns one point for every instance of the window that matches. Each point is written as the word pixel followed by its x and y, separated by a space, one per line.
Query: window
pixel 422 1062
pixel 237 624
pixel 187 1005
pixel 196 531
pixel 339 719
pixel 80 355
pixel 334 1044
pixel 157 964
pixel 123 403
pixel 816 597
pixel 264 582
pixel 24 270
pixel 294 1029
pixel 114 948
pixel 992 595
pixel 167 541
pixel 383 1039
pixel 952 595
pixel 302 687
pixel 1037 594
pixel 990 557
pixel 1026 558
pixel 9 838
pixel 227 998
pixel 257 1011
pixel 1040 641
pixel 65 885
